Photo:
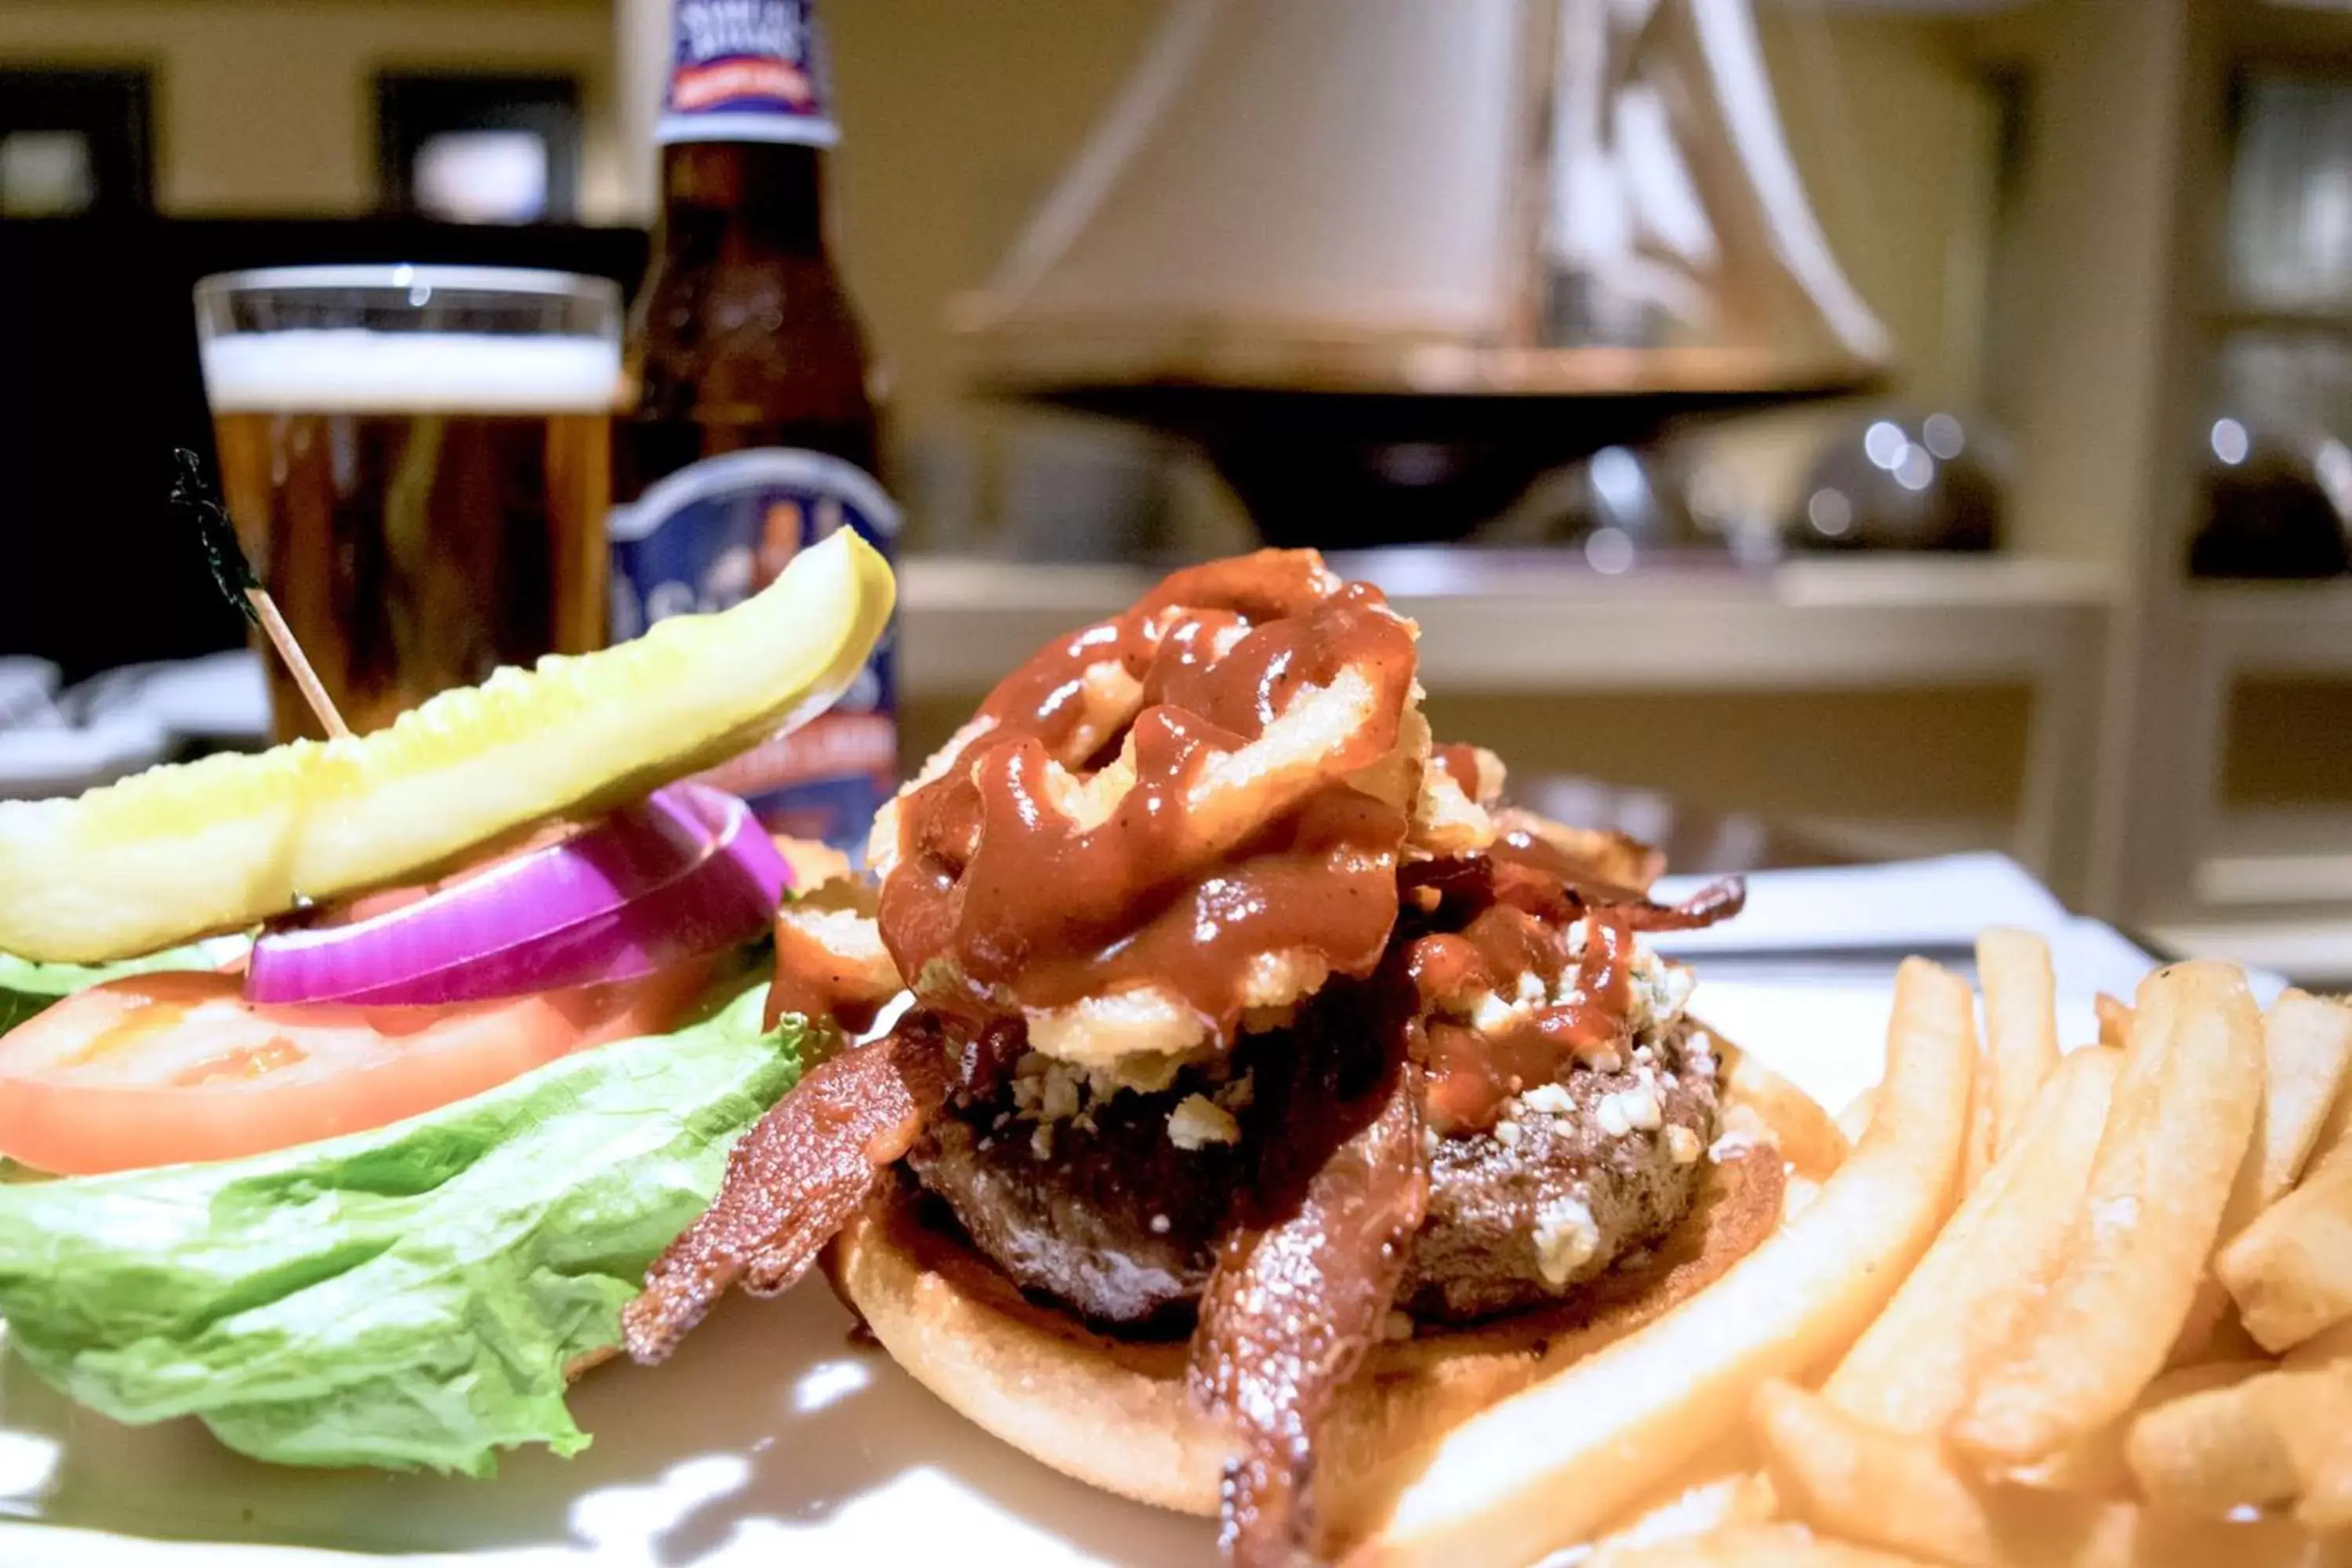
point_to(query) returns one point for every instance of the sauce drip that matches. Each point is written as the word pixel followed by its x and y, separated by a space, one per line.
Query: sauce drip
pixel 1505 912
pixel 1004 898
pixel 1472 1073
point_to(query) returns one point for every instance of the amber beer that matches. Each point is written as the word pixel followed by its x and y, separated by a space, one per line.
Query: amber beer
pixel 426 501
pixel 752 434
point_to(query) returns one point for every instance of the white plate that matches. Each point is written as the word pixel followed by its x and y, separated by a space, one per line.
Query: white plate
pixel 769 1439
pixel 772 1439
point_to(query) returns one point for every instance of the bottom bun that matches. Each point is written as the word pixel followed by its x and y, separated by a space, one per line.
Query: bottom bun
pixel 1114 1412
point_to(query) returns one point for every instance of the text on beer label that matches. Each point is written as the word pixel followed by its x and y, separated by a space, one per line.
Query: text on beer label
pixel 746 70
pixel 709 29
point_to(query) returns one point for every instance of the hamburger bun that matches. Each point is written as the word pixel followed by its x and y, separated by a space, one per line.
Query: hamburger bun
pixel 1114 1413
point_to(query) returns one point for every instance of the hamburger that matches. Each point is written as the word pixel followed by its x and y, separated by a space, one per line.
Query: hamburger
pixel 1248 1094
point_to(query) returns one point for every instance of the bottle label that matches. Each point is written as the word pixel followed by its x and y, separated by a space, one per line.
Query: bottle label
pixel 747 70
pixel 718 531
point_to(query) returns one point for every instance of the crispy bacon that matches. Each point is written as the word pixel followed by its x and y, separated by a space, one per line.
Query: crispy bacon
pixel 1301 1291
pixel 1453 888
pixel 792 1182
pixel 1717 901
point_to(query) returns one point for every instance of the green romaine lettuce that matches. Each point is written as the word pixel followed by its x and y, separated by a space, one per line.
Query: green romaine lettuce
pixel 26 988
pixel 407 1297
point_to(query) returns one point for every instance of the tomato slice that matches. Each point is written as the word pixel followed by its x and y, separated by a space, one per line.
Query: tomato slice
pixel 158 1069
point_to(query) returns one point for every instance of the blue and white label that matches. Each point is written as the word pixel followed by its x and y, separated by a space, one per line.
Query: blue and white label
pixel 747 70
pixel 718 531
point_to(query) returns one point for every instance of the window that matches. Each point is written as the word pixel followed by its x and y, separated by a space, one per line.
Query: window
pixel 74 141
pixel 480 149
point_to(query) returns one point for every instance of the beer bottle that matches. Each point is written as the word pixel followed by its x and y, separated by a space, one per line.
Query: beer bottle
pixel 752 434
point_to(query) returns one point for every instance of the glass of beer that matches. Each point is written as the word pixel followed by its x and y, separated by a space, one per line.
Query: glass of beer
pixel 418 461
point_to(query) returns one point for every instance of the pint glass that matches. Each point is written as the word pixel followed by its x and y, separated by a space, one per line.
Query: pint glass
pixel 418 461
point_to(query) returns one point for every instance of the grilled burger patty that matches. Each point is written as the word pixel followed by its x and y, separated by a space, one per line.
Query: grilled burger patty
pixel 1115 1223
pixel 1107 1216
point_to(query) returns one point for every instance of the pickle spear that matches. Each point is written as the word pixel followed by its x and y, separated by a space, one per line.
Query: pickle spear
pixel 230 840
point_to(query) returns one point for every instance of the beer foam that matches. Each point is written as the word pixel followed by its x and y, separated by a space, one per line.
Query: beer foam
pixel 353 371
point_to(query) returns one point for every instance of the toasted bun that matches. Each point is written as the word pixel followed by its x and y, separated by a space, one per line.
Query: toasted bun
pixel 1114 1413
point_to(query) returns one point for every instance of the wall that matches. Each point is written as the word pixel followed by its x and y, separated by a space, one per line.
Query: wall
pixel 1894 127
pixel 956 119
pixel 265 106
pixel 958 114
pixel 1888 119
pixel 2097 218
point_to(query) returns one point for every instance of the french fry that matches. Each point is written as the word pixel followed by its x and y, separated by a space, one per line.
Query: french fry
pixel 1709 1489
pixel 1796 1195
pixel 2020 1010
pixel 2306 1048
pixel 2182 1117
pixel 1851 1479
pixel 2290 1269
pixel 2244 1445
pixel 1546 1468
pixel 1912 1369
pixel 1898 1493
pixel 2212 1331
pixel 1854 1120
pixel 2115 1021
pixel 1740 1497
pixel 2330 1344
pixel 1749 1546
pixel 2307 1057
pixel 2096 1464
pixel 2323 1456
pixel 2053 1529
pixel 1810 1138
pixel 2336 1131
pixel 2326 1504
pixel 1984 1124
pixel 2229 1342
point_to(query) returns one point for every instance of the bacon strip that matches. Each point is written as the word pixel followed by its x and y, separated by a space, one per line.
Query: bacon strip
pixel 792 1182
pixel 1294 1304
pixel 1718 900
pixel 1529 879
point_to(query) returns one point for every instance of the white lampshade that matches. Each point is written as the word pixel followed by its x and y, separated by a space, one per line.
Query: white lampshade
pixel 1568 197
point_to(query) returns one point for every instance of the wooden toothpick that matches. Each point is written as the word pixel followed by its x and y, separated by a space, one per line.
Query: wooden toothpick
pixel 297 665
pixel 240 585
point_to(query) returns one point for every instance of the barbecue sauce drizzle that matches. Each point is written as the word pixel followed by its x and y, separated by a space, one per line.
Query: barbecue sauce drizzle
pixel 1001 901
pixel 1475 924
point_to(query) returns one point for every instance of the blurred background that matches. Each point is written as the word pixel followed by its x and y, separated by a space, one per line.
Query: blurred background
pixel 1889 426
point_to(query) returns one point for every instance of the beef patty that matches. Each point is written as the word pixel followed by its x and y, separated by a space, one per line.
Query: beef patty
pixel 1608 1166
pixel 1120 1225
pixel 1114 1221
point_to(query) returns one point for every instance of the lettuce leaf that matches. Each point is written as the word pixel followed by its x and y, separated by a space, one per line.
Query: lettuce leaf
pixel 26 988
pixel 411 1297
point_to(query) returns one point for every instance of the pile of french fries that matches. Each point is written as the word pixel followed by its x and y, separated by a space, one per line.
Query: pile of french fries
pixel 2075 1311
